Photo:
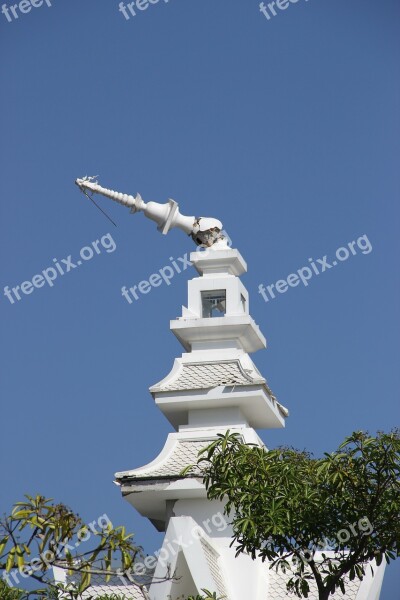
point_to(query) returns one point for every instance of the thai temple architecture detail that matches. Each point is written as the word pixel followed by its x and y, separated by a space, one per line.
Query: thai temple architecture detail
pixel 214 386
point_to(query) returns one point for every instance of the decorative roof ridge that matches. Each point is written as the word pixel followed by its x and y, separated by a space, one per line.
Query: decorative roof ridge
pixel 178 371
pixel 282 409
pixel 170 458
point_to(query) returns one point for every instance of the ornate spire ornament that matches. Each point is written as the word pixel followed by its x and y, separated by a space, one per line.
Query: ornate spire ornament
pixel 203 230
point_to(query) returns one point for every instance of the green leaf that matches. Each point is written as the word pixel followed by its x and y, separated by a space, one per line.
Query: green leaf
pixel 85 581
pixel 3 544
pixel 10 559
pixel 20 557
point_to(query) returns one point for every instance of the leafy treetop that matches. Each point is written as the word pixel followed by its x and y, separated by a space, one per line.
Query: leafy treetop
pixel 285 505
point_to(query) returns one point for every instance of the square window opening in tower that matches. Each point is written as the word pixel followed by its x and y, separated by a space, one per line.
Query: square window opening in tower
pixel 213 303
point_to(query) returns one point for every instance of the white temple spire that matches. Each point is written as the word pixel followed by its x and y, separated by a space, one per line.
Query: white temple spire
pixel 204 231
pixel 213 387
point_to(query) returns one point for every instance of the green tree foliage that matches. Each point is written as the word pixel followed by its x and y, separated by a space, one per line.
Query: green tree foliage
pixel 39 535
pixel 7 593
pixel 285 505
pixel 207 596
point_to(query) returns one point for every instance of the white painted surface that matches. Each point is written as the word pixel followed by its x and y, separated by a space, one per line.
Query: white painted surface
pixel 195 543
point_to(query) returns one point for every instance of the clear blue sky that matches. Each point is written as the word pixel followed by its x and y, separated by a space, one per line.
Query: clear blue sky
pixel 286 129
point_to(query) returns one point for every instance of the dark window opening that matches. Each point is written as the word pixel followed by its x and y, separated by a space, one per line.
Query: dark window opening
pixel 213 303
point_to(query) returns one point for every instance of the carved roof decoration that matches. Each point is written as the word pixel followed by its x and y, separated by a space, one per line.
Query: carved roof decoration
pixel 209 375
pixel 205 375
pixel 183 453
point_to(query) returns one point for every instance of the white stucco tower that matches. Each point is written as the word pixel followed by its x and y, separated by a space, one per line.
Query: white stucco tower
pixel 214 386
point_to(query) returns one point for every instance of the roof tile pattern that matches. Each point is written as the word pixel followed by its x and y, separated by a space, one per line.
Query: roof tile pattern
pixel 278 591
pixel 123 592
pixel 212 557
pixel 198 376
pixel 184 453
pixel 99 587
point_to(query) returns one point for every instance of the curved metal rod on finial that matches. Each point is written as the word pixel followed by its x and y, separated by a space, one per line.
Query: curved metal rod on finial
pixel 204 231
